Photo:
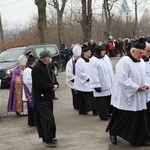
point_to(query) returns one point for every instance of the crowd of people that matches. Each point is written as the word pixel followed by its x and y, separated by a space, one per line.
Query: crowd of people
pixel 122 96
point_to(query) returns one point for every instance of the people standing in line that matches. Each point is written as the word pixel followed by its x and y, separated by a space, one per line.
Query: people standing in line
pixel 110 48
pixel 15 102
pixel 128 120
pixel 70 75
pixel 27 92
pixel 65 55
pixel 42 92
pixel 91 46
pixel 101 80
pixel 51 69
pixel 87 101
pixel 120 46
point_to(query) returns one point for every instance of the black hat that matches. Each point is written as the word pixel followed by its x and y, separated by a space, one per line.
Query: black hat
pixel 30 61
pixel 99 48
pixel 44 54
pixel 28 53
pixel 139 44
pixel 85 48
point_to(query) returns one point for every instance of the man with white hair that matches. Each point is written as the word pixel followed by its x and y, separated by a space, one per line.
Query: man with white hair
pixel 128 98
pixel 70 74
pixel 16 102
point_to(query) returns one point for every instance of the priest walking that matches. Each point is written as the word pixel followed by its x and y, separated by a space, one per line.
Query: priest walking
pixel 128 98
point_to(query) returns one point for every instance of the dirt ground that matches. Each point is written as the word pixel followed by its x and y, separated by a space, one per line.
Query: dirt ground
pixel 74 131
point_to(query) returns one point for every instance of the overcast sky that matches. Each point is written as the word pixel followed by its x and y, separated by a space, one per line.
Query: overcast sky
pixel 18 12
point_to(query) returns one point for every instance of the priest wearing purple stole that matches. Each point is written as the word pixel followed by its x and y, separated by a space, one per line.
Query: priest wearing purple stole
pixel 15 102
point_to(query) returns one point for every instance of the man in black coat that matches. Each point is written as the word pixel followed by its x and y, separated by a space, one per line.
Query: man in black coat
pixel 42 92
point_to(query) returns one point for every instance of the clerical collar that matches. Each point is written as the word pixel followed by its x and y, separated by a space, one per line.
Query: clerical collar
pixel 30 67
pixel 98 56
pixel 145 59
pixel 85 59
pixel 133 59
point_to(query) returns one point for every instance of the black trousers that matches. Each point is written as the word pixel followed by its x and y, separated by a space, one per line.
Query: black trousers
pixel 45 120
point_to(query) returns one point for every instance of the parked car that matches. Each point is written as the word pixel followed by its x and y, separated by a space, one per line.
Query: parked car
pixel 9 59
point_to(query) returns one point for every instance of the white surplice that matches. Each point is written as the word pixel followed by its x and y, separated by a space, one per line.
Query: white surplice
pixel 129 76
pixel 101 75
pixel 81 82
pixel 69 73
pixel 148 74
pixel 27 79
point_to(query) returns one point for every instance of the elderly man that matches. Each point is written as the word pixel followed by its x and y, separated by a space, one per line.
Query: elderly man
pixel 70 74
pixel 16 102
pixel 42 92
pixel 128 98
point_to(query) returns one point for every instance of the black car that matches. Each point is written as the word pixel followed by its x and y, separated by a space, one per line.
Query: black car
pixel 9 59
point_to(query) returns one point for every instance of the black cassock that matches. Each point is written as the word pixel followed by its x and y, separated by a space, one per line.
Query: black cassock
pixel 131 126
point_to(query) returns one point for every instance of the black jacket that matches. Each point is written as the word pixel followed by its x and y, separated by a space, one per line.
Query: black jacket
pixel 41 83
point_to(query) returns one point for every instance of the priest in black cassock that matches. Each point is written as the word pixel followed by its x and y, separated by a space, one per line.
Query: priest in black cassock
pixel 128 98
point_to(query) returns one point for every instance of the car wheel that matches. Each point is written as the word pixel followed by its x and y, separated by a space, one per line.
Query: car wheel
pixel 56 71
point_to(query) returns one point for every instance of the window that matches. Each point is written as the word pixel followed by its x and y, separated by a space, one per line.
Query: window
pixel 38 50
pixel 51 49
pixel 11 55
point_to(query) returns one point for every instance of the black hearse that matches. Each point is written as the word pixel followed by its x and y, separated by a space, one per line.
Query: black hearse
pixel 9 57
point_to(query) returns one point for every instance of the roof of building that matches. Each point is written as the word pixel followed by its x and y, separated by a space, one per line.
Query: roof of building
pixel 125 7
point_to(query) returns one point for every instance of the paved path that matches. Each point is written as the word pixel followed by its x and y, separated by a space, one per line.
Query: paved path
pixel 74 131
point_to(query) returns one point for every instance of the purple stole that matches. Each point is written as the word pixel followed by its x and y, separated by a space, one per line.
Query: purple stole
pixel 18 91
pixel 73 64
pixel 28 96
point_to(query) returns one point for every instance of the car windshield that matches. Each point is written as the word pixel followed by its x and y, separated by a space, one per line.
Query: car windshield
pixel 10 55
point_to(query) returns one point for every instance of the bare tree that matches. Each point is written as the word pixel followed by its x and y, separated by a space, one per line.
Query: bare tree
pixel 107 6
pixel 144 23
pixel 42 25
pixel 60 12
pixel 136 3
pixel 86 21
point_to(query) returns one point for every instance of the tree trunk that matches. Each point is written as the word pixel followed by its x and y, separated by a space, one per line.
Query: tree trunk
pixel 42 24
pixel 60 12
pixel 1 30
pixel 136 19
pixel 86 22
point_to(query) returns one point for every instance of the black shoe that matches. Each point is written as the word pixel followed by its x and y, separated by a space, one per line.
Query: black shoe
pixel 83 113
pixel 104 119
pixel 113 139
pixel 95 114
pixel 50 144
pixel 147 143
pixel 55 140
pixel 55 98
